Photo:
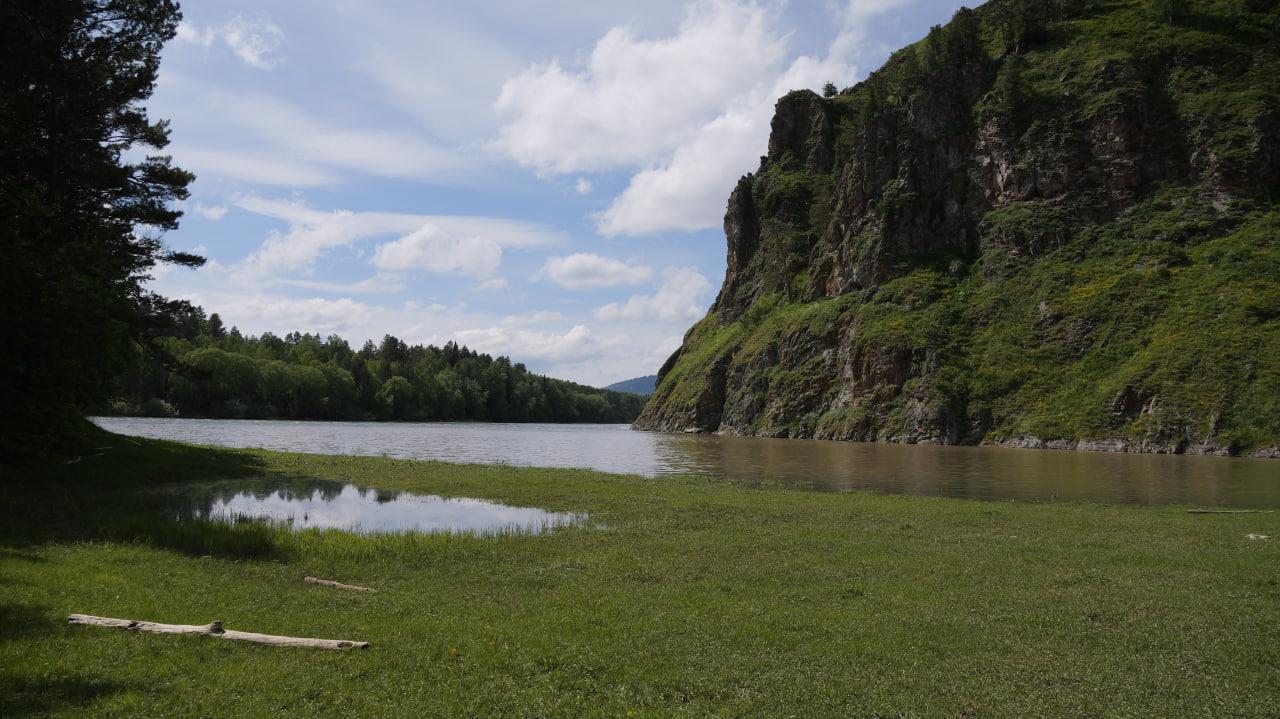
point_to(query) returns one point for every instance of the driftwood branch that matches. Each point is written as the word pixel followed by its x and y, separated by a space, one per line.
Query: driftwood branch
pixel 336 585
pixel 214 629
pixel 1228 511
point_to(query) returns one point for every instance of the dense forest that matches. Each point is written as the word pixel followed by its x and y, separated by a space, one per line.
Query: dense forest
pixel 196 367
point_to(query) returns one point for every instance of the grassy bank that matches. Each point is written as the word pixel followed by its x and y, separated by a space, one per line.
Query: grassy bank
pixel 679 597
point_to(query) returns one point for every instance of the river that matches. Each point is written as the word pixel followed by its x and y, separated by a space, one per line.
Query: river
pixel 986 473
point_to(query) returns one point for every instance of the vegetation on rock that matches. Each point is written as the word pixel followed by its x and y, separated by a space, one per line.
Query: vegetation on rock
pixel 1045 223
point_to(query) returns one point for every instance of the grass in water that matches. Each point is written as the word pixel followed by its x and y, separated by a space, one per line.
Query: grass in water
pixel 677 597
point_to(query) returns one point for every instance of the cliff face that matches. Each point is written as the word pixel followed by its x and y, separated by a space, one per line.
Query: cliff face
pixel 1038 226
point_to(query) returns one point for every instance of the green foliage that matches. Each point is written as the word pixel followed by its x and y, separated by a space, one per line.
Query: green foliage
pixel 302 376
pixel 1169 11
pixel 1156 308
pixel 687 380
pixel 83 201
pixel 680 597
pixel 1027 228
pixel 1125 287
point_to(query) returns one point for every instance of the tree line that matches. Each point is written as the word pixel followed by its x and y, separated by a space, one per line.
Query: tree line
pixel 86 196
pixel 199 368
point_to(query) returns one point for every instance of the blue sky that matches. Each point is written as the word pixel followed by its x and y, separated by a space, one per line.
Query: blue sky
pixel 540 180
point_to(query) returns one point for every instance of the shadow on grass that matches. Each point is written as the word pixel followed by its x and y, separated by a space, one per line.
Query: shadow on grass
pixel 28 697
pixel 98 495
pixel 198 537
pixel 24 621
pixel 6 553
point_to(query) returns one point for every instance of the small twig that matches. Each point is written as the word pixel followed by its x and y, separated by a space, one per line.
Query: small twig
pixel 336 585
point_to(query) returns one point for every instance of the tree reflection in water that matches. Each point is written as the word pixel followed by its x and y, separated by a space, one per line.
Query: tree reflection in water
pixel 305 504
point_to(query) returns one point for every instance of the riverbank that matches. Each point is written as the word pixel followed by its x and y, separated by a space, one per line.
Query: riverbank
pixel 678 596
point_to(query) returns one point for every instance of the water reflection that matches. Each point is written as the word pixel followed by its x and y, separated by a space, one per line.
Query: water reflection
pixel 304 504
pixel 986 473
pixel 971 472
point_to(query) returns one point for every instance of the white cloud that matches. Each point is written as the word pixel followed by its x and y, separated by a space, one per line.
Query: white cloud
pixel 290 146
pixel 507 233
pixel 379 152
pixel 689 192
pixel 250 166
pixel 637 99
pixel 255 40
pixel 690 112
pixel 189 33
pixel 381 283
pixel 494 283
pixel 680 297
pixel 471 245
pixel 431 248
pixel 210 212
pixel 530 345
pixel 583 186
pixel 584 271
pixel 302 315
pixel 534 317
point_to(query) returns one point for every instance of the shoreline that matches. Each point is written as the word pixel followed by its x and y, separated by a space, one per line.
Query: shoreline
pixel 677 596
pixel 1106 445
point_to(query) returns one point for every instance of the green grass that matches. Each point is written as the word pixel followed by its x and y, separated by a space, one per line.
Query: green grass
pixel 680 597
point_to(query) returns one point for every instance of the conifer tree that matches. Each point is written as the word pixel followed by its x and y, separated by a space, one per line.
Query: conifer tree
pixel 82 211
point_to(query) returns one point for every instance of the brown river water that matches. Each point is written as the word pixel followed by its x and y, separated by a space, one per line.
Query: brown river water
pixel 985 473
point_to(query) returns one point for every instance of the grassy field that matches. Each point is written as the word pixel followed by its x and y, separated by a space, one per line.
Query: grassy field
pixel 679 597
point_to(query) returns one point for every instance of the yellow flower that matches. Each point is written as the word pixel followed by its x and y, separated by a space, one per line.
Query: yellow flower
pixel 453 651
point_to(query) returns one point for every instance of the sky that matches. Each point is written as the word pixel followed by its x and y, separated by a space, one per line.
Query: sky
pixel 545 181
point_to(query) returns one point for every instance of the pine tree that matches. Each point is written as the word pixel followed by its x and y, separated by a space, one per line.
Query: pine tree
pixel 81 216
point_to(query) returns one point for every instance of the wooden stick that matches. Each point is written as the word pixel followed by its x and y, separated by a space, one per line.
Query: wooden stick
pixel 336 585
pixel 214 629
pixel 1228 511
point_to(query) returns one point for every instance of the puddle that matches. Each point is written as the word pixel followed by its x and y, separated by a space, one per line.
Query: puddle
pixel 336 505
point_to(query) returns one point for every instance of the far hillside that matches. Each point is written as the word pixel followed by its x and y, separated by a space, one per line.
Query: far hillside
pixel 197 368
pixel 637 385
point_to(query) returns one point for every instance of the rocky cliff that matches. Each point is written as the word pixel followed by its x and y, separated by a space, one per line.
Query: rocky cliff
pixel 1045 224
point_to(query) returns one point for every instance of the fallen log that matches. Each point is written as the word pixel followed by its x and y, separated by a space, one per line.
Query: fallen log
pixel 1228 511
pixel 214 629
pixel 336 585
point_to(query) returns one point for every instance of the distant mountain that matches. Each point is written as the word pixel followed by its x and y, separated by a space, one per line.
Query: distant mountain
pixel 640 385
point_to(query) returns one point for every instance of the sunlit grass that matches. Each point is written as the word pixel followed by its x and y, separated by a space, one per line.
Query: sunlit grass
pixel 679 596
